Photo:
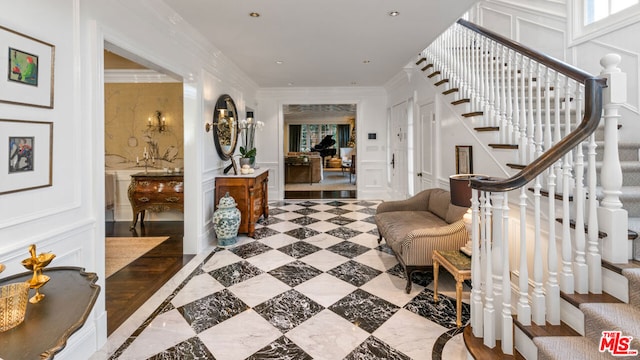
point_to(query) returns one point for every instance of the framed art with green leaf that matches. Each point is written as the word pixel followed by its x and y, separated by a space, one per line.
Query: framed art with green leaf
pixel 29 66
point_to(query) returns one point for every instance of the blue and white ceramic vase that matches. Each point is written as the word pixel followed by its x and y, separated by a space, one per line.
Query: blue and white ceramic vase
pixel 226 221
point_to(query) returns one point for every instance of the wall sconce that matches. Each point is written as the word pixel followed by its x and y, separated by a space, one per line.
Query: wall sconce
pixel 224 117
pixel 159 123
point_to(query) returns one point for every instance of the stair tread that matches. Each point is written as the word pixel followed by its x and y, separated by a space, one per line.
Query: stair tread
pixel 578 299
pixel 477 349
pixel 619 268
pixel 611 317
pixel 534 330
pixel 569 347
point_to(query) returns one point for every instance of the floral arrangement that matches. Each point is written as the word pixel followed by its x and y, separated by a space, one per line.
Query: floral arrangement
pixel 248 133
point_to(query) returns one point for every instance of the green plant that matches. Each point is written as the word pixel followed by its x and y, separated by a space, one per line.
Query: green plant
pixel 248 153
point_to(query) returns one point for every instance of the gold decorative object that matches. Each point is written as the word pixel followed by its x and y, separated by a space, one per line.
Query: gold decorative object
pixel 36 264
pixel 2 267
pixel 13 304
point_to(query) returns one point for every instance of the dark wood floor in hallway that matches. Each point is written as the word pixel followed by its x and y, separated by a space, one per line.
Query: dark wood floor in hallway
pixel 129 288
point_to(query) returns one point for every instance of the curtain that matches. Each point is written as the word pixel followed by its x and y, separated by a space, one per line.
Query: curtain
pixel 343 135
pixel 295 132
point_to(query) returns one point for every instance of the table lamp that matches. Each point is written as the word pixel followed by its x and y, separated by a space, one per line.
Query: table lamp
pixel 460 188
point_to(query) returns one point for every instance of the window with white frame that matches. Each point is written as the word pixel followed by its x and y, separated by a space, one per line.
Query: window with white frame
pixel 596 10
pixel 593 18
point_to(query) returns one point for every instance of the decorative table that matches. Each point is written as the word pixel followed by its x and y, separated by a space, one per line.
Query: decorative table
pixel 69 299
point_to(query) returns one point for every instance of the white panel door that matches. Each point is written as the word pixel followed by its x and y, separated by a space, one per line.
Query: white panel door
pixel 398 166
pixel 424 144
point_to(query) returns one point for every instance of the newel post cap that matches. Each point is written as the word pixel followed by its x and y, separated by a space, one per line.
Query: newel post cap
pixel 616 92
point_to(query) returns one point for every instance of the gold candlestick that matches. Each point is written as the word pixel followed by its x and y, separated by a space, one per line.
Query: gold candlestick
pixel 37 264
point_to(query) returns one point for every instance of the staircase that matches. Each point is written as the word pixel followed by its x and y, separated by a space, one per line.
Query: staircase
pixel 528 112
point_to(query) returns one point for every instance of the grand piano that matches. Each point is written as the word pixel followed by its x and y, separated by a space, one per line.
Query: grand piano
pixel 325 148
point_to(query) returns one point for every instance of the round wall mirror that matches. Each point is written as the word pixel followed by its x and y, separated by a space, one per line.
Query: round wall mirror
pixel 225 127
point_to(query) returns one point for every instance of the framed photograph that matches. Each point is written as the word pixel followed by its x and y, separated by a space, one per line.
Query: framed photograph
pixel 26 149
pixel 464 159
pixel 26 70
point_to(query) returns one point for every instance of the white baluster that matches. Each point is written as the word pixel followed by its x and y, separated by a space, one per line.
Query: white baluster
pixel 504 126
pixel 538 111
pixel 579 265
pixel 476 268
pixel 516 105
pixel 524 309
pixel 566 274
pixel 489 310
pixel 537 297
pixel 492 86
pixel 497 241
pixel 557 132
pixel 552 288
pixel 507 317
pixel 509 99
pixel 523 116
pixel 548 138
pixel 530 122
pixel 594 259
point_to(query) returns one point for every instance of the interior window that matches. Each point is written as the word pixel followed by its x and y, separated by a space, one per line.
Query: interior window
pixel 312 134
pixel 596 10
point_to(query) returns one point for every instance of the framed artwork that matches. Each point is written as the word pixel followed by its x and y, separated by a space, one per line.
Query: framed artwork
pixel 26 70
pixel 26 149
pixel 464 159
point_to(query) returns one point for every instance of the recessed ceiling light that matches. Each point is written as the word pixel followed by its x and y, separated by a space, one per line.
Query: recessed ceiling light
pixel 394 13
pixel 254 14
pixel 279 62
pixel 290 84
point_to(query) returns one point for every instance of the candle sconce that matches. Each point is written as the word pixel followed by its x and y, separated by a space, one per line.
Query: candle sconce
pixel 157 122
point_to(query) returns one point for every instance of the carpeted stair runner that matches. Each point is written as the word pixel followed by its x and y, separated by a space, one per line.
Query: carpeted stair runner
pixel 598 317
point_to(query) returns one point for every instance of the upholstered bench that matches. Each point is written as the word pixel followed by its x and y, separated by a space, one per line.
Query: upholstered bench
pixel 414 227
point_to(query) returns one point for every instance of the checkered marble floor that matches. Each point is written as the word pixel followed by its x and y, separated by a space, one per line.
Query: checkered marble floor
pixel 313 284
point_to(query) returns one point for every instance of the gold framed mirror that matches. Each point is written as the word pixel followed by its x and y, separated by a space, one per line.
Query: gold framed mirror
pixel 225 127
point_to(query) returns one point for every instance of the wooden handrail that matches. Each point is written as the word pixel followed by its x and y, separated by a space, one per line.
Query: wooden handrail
pixel 593 110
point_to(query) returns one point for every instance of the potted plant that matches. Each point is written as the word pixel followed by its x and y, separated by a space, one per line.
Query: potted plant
pixel 247 157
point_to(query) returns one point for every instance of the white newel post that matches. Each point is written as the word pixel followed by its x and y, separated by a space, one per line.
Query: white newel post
pixel 612 218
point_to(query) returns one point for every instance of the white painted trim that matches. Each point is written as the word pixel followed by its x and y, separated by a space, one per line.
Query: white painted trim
pixel 582 33
pixel 137 76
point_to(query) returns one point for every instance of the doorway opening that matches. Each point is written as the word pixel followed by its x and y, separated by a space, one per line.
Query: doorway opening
pixel 144 132
pixel 320 151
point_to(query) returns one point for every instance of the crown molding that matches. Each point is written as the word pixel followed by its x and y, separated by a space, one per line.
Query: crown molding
pixel 136 76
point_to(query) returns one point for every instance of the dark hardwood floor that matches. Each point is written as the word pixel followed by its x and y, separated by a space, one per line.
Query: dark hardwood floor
pixel 130 287
pixel 322 194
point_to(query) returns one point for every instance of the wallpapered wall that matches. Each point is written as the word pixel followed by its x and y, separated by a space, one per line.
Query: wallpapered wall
pixel 127 109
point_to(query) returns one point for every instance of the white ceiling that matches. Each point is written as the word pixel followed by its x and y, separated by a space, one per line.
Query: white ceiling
pixel 320 42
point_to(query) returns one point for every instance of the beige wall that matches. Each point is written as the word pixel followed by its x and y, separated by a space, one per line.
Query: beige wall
pixel 127 108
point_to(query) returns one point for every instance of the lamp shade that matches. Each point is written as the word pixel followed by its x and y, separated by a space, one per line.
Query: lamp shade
pixel 460 187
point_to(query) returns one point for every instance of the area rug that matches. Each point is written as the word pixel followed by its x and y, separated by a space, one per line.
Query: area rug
pixel 332 180
pixel 121 251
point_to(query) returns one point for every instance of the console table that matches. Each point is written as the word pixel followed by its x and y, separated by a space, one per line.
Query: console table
pixel 250 192
pixel 155 191
pixel 69 299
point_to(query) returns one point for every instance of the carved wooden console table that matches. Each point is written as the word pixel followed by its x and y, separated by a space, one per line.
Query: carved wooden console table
pixel 69 299
pixel 155 191
pixel 250 193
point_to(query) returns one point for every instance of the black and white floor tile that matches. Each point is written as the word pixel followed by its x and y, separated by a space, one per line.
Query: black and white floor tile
pixel 313 284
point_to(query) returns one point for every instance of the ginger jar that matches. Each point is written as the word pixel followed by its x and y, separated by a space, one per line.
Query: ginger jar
pixel 226 221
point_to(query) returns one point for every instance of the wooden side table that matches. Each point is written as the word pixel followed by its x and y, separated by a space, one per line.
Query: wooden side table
pixel 251 193
pixel 458 265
